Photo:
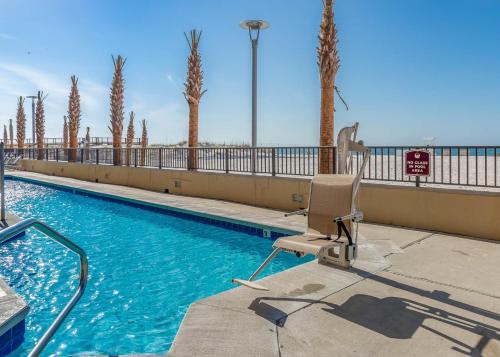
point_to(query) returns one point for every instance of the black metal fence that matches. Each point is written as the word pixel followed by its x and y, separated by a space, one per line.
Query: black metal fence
pixel 94 141
pixel 449 165
pixel 299 161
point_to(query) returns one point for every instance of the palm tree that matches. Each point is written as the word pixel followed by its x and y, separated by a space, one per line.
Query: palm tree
pixel 130 137
pixel 117 111
pixel 328 63
pixel 74 117
pixel 5 139
pixel 11 132
pixel 20 123
pixel 40 124
pixel 193 92
pixel 65 133
pixel 144 142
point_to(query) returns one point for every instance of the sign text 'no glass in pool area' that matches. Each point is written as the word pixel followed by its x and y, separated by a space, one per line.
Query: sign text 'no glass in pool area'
pixel 417 163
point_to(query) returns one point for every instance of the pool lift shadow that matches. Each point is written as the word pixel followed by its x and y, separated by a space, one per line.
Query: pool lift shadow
pixel 395 317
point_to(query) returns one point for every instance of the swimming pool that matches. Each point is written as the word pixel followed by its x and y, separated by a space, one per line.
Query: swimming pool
pixel 145 267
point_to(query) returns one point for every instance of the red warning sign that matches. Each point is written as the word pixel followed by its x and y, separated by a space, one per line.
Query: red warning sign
pixel 417 163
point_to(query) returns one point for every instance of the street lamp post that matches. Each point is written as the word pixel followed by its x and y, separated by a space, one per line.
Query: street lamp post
pixel 254 27
pixel 33 97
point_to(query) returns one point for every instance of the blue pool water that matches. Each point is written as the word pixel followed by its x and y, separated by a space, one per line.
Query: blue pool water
pixel 146 267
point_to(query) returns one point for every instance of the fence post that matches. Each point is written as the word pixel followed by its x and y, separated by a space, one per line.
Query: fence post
pixel 254 160
pixel 334 159
pixel 159 158
pixel 97 156
pixel 273 161
pixel 417 181
pixel 46 154
pixel 81 156
pixel 135 157
pixel 57 154
pixel 226 159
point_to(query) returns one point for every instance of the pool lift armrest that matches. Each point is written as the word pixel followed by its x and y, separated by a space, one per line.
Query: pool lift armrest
pixel 302 212
pixel 347 251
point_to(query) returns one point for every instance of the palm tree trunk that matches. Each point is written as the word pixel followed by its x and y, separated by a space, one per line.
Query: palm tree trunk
pixel 144 142
pixel 328 63
pixel 117 143
pixel 73 145
pixel 40 125
pixel 11 132
pixel 74 117
pixel 20 123
pixel 5 139
pixel 193 94
pixel 326 129
pixel 193 136
pixel 117 113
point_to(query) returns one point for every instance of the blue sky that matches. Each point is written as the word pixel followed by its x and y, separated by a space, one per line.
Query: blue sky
pixel 409 69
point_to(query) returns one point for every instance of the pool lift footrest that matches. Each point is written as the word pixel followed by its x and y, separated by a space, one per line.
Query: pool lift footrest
pixel 250 284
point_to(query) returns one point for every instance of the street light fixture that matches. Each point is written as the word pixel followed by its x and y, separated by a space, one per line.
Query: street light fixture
pixel 254 27
pixel 33 97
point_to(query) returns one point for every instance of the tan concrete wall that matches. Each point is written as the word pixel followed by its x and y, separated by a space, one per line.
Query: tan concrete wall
pixel 272 192
pixel 469 213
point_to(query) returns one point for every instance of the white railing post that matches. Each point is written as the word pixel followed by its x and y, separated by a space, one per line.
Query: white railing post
pixel 2 182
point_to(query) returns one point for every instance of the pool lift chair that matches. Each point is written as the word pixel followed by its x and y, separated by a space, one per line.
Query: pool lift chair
pixel 333 208
pixel 11 159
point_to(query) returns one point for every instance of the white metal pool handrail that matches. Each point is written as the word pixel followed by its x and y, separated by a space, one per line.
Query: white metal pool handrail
pixel 2 183
pixel 11 232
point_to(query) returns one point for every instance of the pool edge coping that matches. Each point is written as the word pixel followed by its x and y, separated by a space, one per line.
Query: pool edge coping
pixel 160 206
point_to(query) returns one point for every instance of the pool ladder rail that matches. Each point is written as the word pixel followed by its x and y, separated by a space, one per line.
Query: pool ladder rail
pixel 16 229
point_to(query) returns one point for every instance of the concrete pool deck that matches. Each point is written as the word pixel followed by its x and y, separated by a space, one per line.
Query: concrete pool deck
pixel 411 293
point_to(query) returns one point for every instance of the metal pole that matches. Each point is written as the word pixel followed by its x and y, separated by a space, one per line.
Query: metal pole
pixel 255 42
pixel 2 183
pixel 33 119
pixel 254 91
pixel 33 138
pixel 254 27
